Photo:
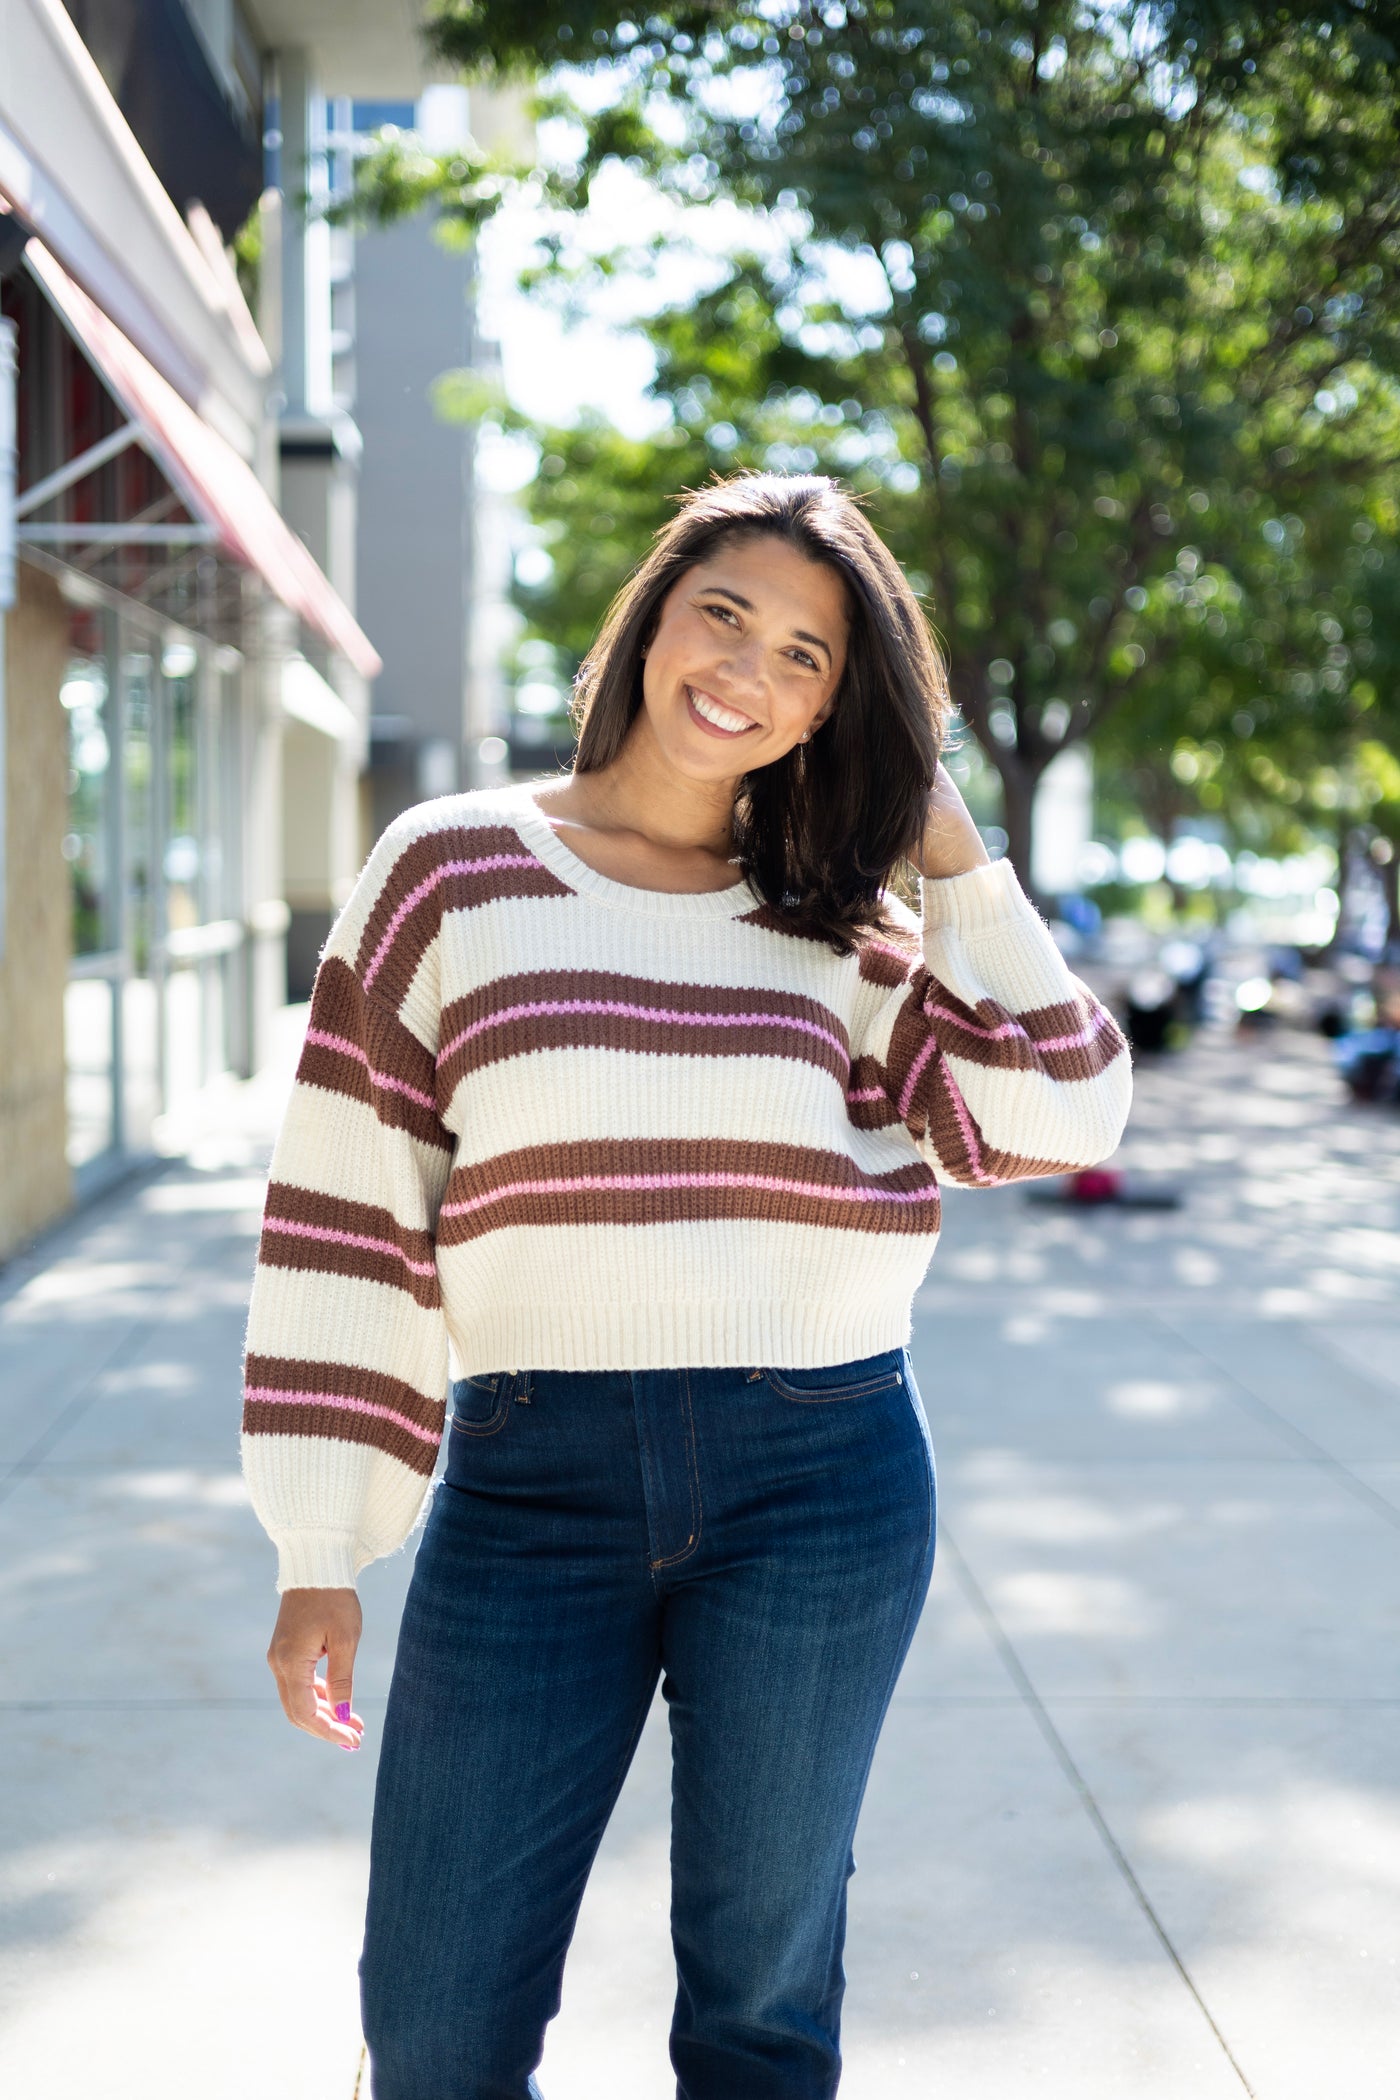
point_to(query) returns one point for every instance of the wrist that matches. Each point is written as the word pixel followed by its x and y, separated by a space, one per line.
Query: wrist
pixel 951 843
pixel 940 856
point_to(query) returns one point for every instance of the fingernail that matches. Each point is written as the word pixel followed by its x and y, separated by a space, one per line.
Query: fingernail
pixel 342 1712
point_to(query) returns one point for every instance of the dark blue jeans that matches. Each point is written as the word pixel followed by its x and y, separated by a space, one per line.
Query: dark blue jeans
pixel 762 1540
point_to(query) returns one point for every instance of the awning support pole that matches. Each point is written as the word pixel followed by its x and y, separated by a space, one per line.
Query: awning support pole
pixel 86 463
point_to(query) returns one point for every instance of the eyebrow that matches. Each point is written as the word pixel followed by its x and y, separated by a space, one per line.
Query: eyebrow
pixel 799 634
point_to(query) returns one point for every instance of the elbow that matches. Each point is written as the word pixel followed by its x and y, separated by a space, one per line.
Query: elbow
pixel 1096 1130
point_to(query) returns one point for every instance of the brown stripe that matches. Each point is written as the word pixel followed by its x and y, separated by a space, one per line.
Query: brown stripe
pixel 682 1179
pixel 771 921
pixel 333 1236
pixel 392 1053
pixel 1024 1051
pixel 885 961
pixel 957 1029
pixel 943 1126
pixel 868 1077
pixel 419 863
pixel 317 1417
pixel 512 1016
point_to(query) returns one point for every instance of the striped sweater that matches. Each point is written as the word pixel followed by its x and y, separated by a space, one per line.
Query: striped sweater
pixel 543 1119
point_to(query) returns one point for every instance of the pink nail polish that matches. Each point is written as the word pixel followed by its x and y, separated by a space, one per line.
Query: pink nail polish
pixel 342 1712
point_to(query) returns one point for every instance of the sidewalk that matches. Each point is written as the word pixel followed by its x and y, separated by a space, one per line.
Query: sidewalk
pixel 1134 1829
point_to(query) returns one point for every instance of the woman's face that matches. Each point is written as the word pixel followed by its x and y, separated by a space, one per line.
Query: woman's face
pixel 746 656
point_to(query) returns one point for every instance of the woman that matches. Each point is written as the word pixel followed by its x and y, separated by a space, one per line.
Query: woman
pixel 621 1111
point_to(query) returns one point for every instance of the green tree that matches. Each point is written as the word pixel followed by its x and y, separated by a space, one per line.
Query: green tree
pixel 1123 391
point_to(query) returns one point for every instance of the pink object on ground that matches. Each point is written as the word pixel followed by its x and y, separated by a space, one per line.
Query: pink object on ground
pixel 1095 1185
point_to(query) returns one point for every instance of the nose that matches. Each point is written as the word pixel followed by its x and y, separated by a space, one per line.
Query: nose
pixel 745 665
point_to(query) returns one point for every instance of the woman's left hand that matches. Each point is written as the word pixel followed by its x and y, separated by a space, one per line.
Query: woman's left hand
pixel 951 842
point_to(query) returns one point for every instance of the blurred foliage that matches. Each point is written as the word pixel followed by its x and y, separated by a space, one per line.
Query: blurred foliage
pixel 398 176
pixel 1120 386
pixel 247 257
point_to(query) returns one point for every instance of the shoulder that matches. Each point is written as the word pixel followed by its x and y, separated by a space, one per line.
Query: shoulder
pixel 455 854
pixel 449 818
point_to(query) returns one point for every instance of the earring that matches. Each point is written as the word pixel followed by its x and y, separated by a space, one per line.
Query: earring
pixel 804 736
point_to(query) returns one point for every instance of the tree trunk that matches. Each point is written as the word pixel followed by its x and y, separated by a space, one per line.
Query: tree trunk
pixel 1018 786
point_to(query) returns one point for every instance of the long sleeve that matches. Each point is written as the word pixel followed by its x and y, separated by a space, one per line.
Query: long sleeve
pixel 345 1373
pixel 1000 1061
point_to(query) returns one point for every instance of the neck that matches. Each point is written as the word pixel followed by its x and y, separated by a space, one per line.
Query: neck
pixel 641 792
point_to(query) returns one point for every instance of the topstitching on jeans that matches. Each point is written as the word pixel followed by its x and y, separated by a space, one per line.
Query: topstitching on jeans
pixel 697 1506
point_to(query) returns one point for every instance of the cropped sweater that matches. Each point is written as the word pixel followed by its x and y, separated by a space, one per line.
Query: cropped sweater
pixel 545 1120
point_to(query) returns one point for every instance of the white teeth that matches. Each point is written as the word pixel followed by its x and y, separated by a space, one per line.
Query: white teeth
pixel 713 712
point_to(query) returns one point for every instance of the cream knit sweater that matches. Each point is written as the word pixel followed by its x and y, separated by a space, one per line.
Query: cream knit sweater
pixel 545 1120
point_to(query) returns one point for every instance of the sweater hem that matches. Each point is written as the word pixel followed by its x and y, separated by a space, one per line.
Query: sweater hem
pixel 697 1334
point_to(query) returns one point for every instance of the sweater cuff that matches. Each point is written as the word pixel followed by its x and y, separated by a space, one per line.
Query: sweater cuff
pixel 316 1560
pixel 981 900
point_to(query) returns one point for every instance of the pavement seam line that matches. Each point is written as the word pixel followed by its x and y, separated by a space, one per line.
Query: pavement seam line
pixel 1307 1447
pixel 1016 1670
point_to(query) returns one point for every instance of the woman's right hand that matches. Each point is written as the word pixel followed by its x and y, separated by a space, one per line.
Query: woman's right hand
pixel 310 1624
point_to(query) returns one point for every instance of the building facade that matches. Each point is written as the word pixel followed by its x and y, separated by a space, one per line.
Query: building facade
pixel 184 686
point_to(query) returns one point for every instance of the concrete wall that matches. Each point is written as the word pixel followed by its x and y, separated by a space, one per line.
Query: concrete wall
pixel 413 323
pixel 35 1185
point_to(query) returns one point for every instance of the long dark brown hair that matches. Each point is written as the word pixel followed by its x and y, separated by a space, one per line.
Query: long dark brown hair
pixel 820 831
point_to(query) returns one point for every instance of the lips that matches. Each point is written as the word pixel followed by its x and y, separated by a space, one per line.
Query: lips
pixel 713 716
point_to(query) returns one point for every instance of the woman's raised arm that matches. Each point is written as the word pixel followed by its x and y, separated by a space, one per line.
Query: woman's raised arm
pixel 1001 1062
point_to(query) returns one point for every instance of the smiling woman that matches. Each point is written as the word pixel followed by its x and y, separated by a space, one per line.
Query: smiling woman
pixel 770 662
pixel 621 1117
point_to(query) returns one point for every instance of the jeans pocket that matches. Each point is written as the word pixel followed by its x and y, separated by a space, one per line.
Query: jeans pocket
pixel 854 1381
pixel 481 1403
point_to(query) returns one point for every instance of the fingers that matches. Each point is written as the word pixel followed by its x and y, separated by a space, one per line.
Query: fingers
pixel 312 1624
pixel 341 1644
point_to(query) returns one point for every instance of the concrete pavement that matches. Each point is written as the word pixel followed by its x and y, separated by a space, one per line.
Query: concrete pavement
pixel 1134 1827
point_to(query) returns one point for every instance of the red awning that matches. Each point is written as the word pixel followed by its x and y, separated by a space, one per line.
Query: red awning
pixel 216 485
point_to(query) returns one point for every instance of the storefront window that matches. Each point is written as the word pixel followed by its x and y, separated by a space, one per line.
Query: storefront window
pixel 91 846
pixel 180 665
pixel 89 1024
pixel 138 673
pixel 90 842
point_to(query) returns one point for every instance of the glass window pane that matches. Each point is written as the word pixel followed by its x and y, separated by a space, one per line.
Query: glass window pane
pixel 180 663
pixel 141 1059
pixel 137 670
pixel 88 1018
pixel 89 841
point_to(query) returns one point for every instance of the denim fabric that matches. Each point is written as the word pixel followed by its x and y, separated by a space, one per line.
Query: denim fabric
pixel 762 1540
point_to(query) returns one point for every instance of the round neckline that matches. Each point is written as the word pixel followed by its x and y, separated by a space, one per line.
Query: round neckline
pixel 623 896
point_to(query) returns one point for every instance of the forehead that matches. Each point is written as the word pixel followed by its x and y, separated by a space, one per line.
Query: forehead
pixel 775 575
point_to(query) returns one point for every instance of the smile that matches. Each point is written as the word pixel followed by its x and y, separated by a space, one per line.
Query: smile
pixel 717 720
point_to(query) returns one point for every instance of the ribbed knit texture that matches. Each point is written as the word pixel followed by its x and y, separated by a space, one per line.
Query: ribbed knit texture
pixel 545 1120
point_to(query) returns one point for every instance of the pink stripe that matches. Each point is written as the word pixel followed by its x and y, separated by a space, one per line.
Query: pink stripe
pixel 574 1183
pixel 430 883
pixel 906 1094
pixel 349 1239
pixel 1005 1028
pixel 969 1132
pixel 866 1093
pixel 356 1407
pixel 349 1049
pixel 960 1109
pixel 639 1013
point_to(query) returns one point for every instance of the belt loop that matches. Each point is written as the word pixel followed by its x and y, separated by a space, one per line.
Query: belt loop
pixel 522 1388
